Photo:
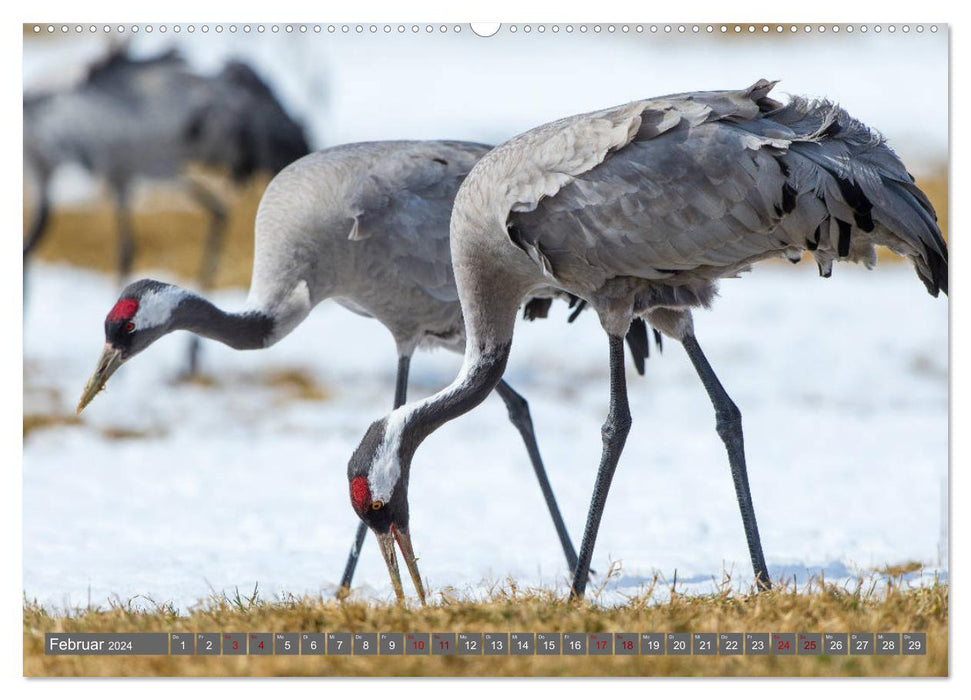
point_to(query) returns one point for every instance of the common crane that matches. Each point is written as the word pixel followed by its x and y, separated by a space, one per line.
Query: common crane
pixel 639 210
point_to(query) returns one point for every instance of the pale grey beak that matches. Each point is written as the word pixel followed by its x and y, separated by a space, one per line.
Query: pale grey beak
pixel 109 361
pixel 386 541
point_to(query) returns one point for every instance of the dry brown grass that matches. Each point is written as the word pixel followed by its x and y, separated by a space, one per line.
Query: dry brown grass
pixel 169 232
pixel 287 383
pixel 116 433
pixel 40 421
pixel 43 403
pixel 297 384
pixel 818 607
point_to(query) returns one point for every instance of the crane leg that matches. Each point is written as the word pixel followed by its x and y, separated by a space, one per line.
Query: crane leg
pixel 126 244
pixel 519 416
pixel 214 239
pixel 400 396
pixel 211 253
pixel 614 433
pixel 38 228
pixel 729 425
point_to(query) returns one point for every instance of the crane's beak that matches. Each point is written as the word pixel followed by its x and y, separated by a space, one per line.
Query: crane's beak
pixel 386 542
pixel 109 361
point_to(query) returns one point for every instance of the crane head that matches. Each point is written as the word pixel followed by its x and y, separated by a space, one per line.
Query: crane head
pixel 139 318
pixel 379 495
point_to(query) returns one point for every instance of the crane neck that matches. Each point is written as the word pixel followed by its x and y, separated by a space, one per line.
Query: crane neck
pixel 246 330
pixel 489 332
pixel 479 375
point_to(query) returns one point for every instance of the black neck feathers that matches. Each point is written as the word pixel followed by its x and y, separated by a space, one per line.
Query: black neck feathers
pixel 241 331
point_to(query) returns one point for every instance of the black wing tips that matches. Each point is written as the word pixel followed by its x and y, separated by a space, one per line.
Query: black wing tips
pixel 638 343
pixel 871 181
pixel 937 264
pixel 934 272
pixel 537 308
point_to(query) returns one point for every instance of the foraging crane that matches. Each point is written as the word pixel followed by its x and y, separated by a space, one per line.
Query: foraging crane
pixel 639 209
pixel 134 118
pixel 366 225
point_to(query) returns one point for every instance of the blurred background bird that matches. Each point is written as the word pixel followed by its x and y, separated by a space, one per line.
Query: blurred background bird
pixel 155 118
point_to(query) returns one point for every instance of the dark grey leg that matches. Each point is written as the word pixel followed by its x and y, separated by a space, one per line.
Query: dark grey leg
pixel 519 415
pixel 210 258
pixel 126 243
pixel 728 422
pixel 401 382
pixel 400 394
pixel 38 227
pixel 214 239
pixel 355 554
pixel 614 432
pixel 37 230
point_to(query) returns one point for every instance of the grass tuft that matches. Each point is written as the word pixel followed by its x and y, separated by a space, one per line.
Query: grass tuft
pixel 289 383
pixel 41 421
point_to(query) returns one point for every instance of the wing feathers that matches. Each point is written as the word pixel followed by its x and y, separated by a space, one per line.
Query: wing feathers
pixel 711 182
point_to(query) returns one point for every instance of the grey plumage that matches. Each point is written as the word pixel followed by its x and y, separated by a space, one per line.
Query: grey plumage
pixel 709 183
pixel 367 225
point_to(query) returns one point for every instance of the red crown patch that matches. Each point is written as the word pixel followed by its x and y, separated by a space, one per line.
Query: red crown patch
pixel 123 310
pixel 360 494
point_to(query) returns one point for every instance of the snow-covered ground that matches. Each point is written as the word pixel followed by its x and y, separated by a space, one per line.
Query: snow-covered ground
pixel 843 384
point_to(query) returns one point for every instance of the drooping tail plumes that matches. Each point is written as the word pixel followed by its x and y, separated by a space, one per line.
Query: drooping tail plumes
pixel 853 189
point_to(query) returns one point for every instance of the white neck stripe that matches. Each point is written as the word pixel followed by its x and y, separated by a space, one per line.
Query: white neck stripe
pixel 155 307
pixel 386 466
